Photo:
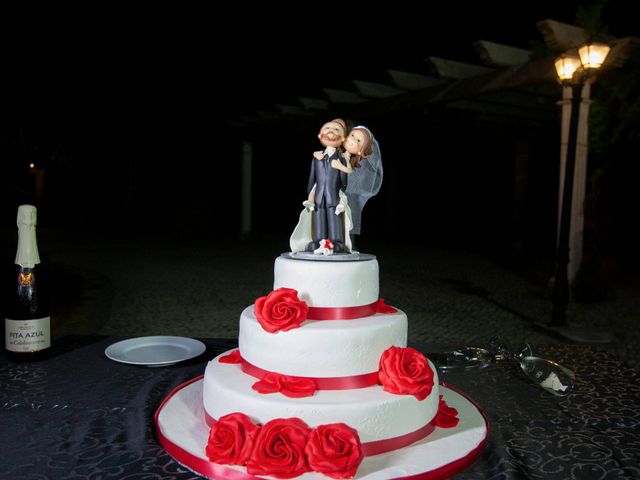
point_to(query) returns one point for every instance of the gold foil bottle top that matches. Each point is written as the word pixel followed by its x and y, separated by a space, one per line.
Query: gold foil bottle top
pixel 27 255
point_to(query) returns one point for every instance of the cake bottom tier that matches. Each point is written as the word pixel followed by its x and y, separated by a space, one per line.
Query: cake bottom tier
pixel 375 414
pixel 183 433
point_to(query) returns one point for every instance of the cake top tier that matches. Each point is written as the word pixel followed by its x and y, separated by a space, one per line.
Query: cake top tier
pixel 330 283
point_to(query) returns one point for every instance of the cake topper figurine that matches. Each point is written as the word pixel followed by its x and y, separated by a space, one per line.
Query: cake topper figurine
pixel 363 152
pixel 324 224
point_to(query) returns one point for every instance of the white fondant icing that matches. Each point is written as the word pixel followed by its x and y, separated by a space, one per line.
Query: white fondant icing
pixel 329 284
pixel 374 413
pixel 322 348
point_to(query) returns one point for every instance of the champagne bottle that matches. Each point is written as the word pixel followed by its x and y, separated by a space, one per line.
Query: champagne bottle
pixel 27 318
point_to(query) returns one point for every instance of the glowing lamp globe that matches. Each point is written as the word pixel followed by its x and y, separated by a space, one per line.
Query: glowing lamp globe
pixel 566 65
pixel 593 55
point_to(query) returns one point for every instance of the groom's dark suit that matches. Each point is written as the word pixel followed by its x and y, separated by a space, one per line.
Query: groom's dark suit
pixel 329 181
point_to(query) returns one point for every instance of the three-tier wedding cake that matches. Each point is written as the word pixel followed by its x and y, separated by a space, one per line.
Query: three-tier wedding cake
pixel 322 385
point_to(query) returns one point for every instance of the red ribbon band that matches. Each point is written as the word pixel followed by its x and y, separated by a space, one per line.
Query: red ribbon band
pixel 322 383
pixel 341 313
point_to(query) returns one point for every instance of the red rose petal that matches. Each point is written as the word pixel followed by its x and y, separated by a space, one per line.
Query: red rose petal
pixel 232 358
pixel 382 307
pixel 288 386
pixel 447 417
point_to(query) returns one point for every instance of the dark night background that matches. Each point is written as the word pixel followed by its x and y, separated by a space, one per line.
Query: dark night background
pixel 127 115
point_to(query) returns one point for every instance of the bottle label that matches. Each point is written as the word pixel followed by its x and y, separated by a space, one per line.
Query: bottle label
pixel 27 335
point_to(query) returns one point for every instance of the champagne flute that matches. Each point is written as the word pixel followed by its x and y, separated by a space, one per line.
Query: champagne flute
pixel 461 358
pixel 546 374
pixel 454 359
pixel 549 375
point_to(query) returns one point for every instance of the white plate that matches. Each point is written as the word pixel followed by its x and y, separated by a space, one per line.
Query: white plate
pixel 155 351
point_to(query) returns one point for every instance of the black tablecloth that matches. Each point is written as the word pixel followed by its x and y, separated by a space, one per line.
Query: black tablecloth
pixel 79 415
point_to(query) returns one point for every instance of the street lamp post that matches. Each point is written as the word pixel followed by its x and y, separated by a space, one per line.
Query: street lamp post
pixel 572 71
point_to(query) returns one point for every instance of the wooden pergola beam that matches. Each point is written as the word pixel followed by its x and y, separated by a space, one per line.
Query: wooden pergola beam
pixel 413 81
pixel 314 103
pixel 376 90
pixel 454 69
pixel 499 55
pixel 343 96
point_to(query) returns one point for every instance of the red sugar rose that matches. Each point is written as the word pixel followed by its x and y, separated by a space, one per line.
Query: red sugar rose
pixel 280 310
pixel 279 449
pixel 231 439
pixel 405 371
pixel 334 450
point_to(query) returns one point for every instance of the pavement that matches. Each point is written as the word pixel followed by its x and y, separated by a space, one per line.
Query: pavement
pixel 153 285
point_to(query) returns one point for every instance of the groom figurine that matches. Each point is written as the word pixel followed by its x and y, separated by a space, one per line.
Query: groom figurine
pixel 328 182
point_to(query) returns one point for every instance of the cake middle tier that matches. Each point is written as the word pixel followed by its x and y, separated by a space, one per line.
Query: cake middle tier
pixel 322 348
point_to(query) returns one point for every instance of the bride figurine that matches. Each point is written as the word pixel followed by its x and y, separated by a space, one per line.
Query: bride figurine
pixel 366 178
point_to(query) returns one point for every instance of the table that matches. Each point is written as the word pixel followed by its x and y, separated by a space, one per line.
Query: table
pixel 79 415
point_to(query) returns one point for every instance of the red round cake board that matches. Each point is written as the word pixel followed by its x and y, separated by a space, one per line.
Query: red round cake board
pixel 183 433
